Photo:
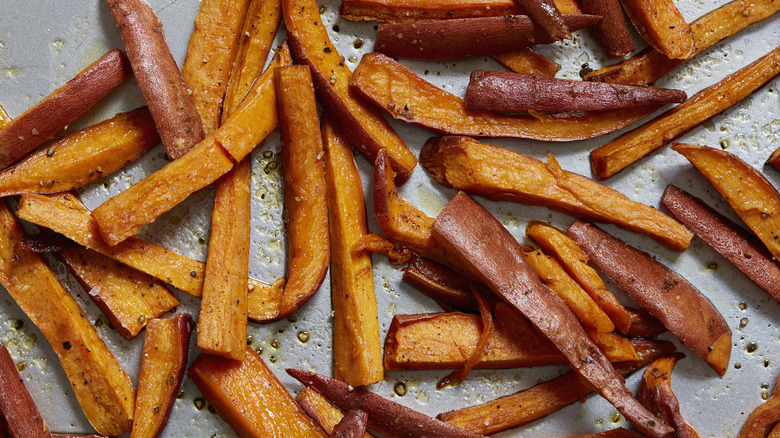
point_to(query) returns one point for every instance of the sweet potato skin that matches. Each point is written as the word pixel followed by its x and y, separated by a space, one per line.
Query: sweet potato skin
pixel 353 425
pixel 656 393
pixel 664 293
pixel 172 107
pixel 612 32
pixel 17 406
pixel 400 11
pixel 63 106
pixel 442 284
pixel 726 237
pixel 320 410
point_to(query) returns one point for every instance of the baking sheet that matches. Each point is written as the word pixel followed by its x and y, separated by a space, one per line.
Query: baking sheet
pixel 46 42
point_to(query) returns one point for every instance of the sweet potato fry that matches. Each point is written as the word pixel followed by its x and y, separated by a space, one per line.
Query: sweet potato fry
pixel 509 92
pixel 755 200
pixel 363 125
pixel 102 388
pixel 668 296
pixel 546 15
pixel 353 425
pixel 576 264
pixel 446 40
pixel 123 215
pixel 656 393
pixel 526 61
pixel 439 282
pixel 17 406
pixel 357 351
pixel 128 298
pixel 384 416
pixel 623 151
pixel 614 433
pixel 643 324
pixel 543 399
pixel 320 410
pixel 726 237
pixel 82 156
pixel 172 108
pixel 650 65
pixel 398 11
pixel 305 192
pixel 761 417
pixel 410 98
pixel 662 25
pixel 63 106
pixel 489 253
pixel 210 55
pixel 166 344
pixel 250 398
pixel 500 174
pixel 612 32
pixel 260 26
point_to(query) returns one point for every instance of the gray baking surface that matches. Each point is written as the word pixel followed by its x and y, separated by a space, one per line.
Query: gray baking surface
pixel 44 43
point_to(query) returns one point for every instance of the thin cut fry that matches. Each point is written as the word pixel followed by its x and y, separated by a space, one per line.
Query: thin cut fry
pixel 527 61
pixel 623 151
pixel 320 410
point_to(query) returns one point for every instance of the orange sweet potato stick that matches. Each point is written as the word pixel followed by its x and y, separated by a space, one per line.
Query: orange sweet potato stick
pixel 529 62
pixel 625 150
pixel 16 404
pixel 662 25
pixel 761 417
pixel 399 11
pixel 488 252
pixel 63 106
pixel 172 108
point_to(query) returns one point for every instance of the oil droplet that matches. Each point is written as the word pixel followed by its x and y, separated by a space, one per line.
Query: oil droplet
pixel 766 364
pixel 400 389
pixel 272 359
pixel 249 340
pixel 180 395
pixel 422 397
pixel 20 366
pixel 303 336
pixel 212 410
pixel 615 417
pixel 352 59
pixel 57 43
pixel 751 347
pixel 764 395
pixel 358 43
pixel 712 266
pixel 743 322
pixel 599 422
pixel 18 324
pixel 11 71
pixel 275 344
pixel 737 365
pixel 199 403
pixel 724 144
pixel 259 350
pixel 742 306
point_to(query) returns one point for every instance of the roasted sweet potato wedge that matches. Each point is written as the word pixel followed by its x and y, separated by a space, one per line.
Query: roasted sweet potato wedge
pixel 486 251
pixel 352 425
pixel 102 388
pixel 726 237
pixel 320 410
pixel 527 61
pixel 668 296
pixel 545 398
pixel 612 32
pixel 363 125
pixel 166 344
pixel 656 393
pixel 500 174
pixel 441 283
pixel 761 417
pixel 662 25
pixel 17 406
pixel 649 65
pixel 623 151
pixel 643 324
pixel 410 98
pixel 384 416
pixel 357 351
pixel 755 200
pixel 250 398
pixel 415 10
pixel 63 106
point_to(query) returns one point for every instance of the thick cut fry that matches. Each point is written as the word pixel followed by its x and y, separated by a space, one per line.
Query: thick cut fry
pixel 102 388
pixel 410 98
pixel 353 425
pixel 305 192
pixel 363 125
pixel 384 416
pixel 662 25
pixel 580 303
pixel 500 174
pixel 63 106
pixel 656 393
pixel 508 92
pixel 764 415
pixel 650 65
pixel 446 40
pixel 612 32
pixel 17 406
pixel 623 151
pixel 320 410
pixel 250 398
pixel 755 200
pixel 726 237
pixel 487 251
pixel 123 215
pixel 541 400
pixel 128 298
pixel 83 156
pixel 222 321
pixel 260 25
pixel 166 344
pixel 526 61
pixel 546 15
pixel 398 11
pixel 357 351
pixel 575 262
pixel 210 56
pixel 668 296
pixel 444 285
pixel 172 108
